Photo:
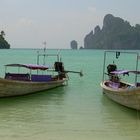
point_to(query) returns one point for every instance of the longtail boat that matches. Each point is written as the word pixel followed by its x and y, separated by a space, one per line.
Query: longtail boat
pixel 15 84
pixel 116 87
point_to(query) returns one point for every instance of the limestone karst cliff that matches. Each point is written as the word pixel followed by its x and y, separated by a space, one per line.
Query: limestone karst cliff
pixel 116 33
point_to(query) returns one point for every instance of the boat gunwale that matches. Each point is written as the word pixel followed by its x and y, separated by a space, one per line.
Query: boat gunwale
pixel 120 90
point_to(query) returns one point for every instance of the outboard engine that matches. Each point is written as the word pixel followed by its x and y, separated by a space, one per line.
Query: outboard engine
pixel 60 69
pixel 111 67
pixel 112 77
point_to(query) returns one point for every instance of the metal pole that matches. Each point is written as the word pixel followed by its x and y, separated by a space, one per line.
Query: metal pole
pixel 104 65
pixel 30 74
pixel 44 60
pixel 44 52
pixel 37 59
pixel 136 68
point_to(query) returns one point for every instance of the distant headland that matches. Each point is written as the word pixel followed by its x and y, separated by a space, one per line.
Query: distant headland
pixel 115 34
pixel 3 43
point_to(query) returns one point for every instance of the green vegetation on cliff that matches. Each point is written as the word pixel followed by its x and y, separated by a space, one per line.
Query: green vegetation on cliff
pixel 115 34
pixel 3 43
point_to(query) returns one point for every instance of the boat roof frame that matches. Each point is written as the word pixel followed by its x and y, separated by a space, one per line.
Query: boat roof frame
pixel 118 51
pixel 47 55
pixel 29 66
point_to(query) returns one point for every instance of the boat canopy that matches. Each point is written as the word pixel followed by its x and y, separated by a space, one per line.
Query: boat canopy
pixel 124 72
pixel 30 66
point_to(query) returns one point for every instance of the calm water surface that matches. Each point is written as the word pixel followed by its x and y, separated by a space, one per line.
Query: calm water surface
pixel 78 111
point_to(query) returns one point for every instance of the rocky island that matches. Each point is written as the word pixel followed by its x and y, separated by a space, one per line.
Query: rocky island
pixel 74 45
pixel 116 33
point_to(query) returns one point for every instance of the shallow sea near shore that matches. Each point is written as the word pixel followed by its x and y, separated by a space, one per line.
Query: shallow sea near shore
pixel 78 111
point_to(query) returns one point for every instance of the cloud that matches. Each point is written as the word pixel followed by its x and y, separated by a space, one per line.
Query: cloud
pixel 24 22
pixel 92 9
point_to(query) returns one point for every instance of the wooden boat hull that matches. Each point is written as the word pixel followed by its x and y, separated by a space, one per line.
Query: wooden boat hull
pixel 129 97
pixel 15 88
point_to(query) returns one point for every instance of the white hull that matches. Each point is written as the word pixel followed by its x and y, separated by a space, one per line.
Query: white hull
pixel 15 88
pixel 129 97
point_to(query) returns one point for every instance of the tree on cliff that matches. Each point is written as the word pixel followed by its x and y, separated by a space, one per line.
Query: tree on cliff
pixel 3 43
pixel 115 34
pixel 2 33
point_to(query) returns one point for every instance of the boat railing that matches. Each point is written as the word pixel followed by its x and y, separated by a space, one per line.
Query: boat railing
pixel 17 76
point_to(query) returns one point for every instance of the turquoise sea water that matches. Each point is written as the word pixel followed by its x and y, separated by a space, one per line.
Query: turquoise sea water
pixel 78 111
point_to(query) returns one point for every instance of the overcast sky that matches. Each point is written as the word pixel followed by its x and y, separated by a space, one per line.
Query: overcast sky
pixel 29 23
